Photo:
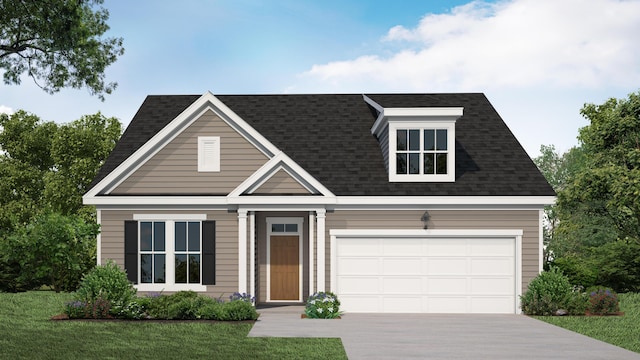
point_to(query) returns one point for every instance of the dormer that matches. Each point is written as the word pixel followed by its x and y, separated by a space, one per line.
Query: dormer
pixel 418 143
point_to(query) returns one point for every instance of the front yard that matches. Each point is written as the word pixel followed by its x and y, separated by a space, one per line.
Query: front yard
pixel 621 331
pixel 28 333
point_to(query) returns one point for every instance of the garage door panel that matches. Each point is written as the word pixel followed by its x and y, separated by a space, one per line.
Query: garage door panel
pixel 402 304
pixel 401 266
pixel 446 266
pixel 359 266
pixel 359 247
pixel 400 285
pixel 446 247
pixel 446 305
pixel 486 286
pixel 447 286
pixel 359 285
pixel 492 266
pixel 421 274
pixel 391 247
pixel 492 247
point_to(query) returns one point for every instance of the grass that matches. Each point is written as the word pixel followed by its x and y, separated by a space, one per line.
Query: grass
pixel 27 333
pixel 621 331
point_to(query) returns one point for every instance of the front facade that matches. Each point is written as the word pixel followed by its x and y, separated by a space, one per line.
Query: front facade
pixel 395 202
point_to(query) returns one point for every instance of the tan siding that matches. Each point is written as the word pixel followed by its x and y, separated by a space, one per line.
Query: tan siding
pixel 526 220
pixel 174 170
pixel 281 183
pixel 226 244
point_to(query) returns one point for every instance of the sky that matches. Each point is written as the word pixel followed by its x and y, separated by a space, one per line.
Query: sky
pixel 537 61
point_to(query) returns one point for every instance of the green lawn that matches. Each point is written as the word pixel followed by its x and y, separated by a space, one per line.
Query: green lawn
pixel 623 331
pixel 27 333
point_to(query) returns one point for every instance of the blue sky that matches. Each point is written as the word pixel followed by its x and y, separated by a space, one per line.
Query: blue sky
pixel 537 61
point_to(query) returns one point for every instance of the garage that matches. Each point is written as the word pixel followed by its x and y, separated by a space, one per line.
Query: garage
pixel 426 271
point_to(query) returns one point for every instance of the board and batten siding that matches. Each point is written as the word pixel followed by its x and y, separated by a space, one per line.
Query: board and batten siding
pixel 112 239
pixel 526 220
pixel 174 169
pixel 281 183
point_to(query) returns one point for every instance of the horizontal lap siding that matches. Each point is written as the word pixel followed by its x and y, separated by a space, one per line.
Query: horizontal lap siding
pixel 174 169
pixel 526 220
pixel 281 183
pixel 112 238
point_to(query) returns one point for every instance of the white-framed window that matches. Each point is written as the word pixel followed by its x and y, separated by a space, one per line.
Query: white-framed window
pixel 170 252
pixel 422 152
pixel 208 154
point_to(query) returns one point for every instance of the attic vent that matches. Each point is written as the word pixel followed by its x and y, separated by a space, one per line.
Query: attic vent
pixel 208 153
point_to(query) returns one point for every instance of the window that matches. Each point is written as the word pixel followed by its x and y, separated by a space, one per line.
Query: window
pixel 170 254
pixel 208 153
pixel 421 153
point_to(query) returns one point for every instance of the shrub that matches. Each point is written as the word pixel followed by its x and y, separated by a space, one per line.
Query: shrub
pixel 188 305
pixel 322 305
pixel 107 282
pixel 551 291
pixel 603 301
pixel 75 309
pixel 238 310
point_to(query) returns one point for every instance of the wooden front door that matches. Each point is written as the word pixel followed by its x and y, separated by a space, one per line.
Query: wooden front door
pixel 285 267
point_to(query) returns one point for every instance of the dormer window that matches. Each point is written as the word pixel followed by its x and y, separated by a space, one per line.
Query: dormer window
pixel 421 151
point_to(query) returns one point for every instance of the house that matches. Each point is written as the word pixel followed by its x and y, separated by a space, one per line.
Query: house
pixel 395 202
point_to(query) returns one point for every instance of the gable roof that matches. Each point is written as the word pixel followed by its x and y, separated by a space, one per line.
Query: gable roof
pixel 329 136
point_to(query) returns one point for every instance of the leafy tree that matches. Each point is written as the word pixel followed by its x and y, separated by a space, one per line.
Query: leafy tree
pixel 46 166
pixel 53 250
pixel 58 43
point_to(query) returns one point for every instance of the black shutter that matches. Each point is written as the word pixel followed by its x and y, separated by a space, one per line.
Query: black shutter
pixel 131 250
pixel 208 253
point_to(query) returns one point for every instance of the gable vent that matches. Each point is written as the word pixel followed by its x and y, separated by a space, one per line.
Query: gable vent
pixel 208 153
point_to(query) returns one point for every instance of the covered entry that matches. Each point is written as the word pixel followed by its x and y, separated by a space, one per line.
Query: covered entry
pixel 426 271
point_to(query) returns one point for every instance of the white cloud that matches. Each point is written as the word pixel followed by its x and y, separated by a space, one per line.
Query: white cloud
pixel 517 43
pixel 5 110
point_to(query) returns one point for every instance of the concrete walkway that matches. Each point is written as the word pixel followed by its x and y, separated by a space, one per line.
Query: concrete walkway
pixel 434 336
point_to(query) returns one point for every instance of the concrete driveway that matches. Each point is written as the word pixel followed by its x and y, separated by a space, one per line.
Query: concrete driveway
pixel 433 336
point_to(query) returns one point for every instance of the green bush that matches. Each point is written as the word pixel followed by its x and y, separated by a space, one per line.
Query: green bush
pixel 188 305
pixel 237 311
pixel 108 282
pixel 322 305
pixel 603 301
pixel 551 291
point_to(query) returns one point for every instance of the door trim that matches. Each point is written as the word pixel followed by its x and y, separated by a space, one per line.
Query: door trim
pixel 285 220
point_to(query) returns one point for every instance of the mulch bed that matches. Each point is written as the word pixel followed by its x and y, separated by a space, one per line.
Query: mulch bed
pixel 65 317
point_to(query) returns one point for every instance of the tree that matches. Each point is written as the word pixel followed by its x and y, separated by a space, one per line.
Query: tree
pixel 49 166
pixel 58 43
pixel 599 208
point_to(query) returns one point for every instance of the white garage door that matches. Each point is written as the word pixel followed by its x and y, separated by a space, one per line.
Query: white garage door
pixel 425 274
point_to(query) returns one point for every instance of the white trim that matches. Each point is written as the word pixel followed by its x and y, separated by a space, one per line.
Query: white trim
pixel 252 253
pixel 208 153
pixel 172 217
pixel 515 234
pixel 540 240
pixel 427 112
pixel 271 167
pixel 242 250
pixel 312 237
pixel 275 202
pixel 203 104
pixel 99 238
pixel 285 220
pixel 321 243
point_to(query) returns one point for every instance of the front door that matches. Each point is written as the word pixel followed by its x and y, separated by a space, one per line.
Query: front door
pixel 285 270
pixel 284 267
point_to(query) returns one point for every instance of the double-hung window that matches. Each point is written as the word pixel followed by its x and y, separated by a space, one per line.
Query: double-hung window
pixel 170 252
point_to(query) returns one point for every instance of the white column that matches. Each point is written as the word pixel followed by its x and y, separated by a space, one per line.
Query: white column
pixel 320 217
pixel 242 251
pixel 252 253
pixel 312 236
pixel 99 238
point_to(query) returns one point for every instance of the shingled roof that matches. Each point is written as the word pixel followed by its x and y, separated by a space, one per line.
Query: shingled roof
pixel 330 137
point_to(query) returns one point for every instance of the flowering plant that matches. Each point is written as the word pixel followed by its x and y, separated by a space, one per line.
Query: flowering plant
pixel 603 301
pixel 75 309
pixel 236 296
pixel 323 305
